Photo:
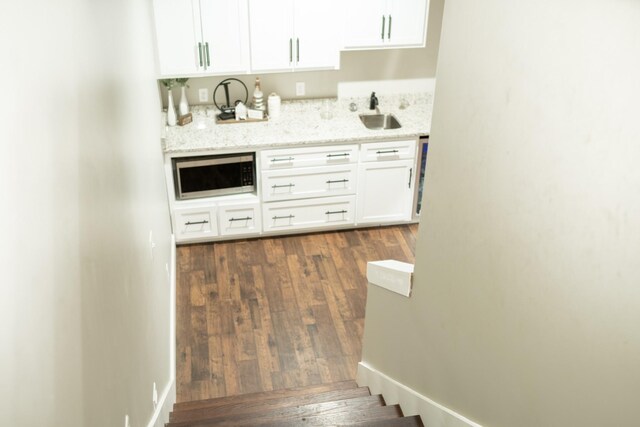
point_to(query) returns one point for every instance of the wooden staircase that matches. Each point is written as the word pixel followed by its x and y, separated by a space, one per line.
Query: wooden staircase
pixel 337 404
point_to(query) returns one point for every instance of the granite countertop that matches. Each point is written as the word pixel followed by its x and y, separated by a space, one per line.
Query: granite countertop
pixel 300 123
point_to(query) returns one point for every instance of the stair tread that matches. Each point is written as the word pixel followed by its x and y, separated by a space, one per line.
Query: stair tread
pixel 332 409
pixel 411 421
pixel 264 395
pixel 236 408
pixel 380 416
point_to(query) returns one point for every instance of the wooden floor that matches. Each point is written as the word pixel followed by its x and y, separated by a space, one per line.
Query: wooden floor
pixel 273 313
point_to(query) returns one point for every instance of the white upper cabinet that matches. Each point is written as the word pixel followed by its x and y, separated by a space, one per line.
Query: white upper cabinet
pixel 288 35
pixel 374 24
pixel 201 37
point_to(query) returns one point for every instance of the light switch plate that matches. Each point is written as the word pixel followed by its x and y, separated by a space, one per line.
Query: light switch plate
pixel 203 95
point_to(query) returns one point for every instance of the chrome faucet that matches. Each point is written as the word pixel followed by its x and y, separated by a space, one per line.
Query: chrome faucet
pixel 373 103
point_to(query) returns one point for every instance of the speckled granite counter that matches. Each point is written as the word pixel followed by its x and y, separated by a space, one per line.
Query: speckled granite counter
pixel 300 123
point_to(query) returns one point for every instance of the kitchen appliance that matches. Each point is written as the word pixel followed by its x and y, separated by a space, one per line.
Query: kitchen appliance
pixel 215 175
pixel 423 147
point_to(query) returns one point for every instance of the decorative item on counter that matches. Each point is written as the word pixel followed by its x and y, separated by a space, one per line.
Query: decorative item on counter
pixel 183 106
pixel 258 96
pixel 353 107
pixel 171 109
pixel 255 114
pixel 403 104
pixel 241 111
pixel 227 110
pixel 185 119
pixel 273 102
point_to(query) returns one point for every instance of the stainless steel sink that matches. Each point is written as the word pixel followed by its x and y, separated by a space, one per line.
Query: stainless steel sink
pixel 380 121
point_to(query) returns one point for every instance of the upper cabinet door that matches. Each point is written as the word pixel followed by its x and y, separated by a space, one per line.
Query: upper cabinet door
pixel 317 27
pixel 177 34
pixel 225 35
pixel 288 35
pixel 201 37
pixel 271 24
pixel 385 24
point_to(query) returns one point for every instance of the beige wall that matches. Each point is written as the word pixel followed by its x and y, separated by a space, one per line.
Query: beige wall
pixel 355 66
pixel 84 312
pixel 526 301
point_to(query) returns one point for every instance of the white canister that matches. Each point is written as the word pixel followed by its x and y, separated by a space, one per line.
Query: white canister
pixel 273 103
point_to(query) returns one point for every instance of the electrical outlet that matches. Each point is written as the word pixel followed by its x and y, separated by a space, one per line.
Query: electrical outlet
pixel 203 94
pixel 126 421
pixel 155 395
pixel 300 89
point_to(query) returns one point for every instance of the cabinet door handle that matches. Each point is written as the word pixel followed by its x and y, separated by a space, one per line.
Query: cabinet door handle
pixel 206 48
pixel 337 181
pixel 200 53
pixel 285 159
pixel 410 175
pixel 247 218
pixel 197 222
pixel 382 33
pixel 274 186
pixel 338 155
pixel 387 152
pixel 335 212
pixel 283 217
pixel 290 51
pixel 389 32
pixel 297 50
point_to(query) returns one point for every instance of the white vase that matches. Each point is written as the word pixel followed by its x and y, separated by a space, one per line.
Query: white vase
pixel 172 119
pixel 183 107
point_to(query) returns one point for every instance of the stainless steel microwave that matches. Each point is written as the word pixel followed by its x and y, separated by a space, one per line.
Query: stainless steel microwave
pixel 217 175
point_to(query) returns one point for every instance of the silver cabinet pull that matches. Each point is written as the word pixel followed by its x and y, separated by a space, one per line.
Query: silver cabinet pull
pixel 338 155
pixel 335 212
pixel 197 222
pixel 247 218
pixel 200 53
pixel 290 51
pixel 286 159
pixel 382 34
pixel 389 32
pixel 337 181
pixel 283 217
pixel 387 152
pixel 206 48
pixel 297 50
pixel 274 186
pixel 410 175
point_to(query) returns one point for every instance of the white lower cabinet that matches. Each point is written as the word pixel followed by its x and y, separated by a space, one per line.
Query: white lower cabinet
pixel 240 219
pixel 195 224
pixel 310 213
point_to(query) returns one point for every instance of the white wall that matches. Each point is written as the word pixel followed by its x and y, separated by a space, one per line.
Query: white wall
pixel 526 299
pixel 84 311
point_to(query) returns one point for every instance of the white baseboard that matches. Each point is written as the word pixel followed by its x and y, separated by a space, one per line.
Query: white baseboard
pixel 412 403
pixel 167 399
pixel 165 405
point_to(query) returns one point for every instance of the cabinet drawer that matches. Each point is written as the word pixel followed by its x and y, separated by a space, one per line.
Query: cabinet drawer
pixel 240 219
pixel 301 183
pixel 391 150
pixel 308 156
pixel 313 213
pixel 195 224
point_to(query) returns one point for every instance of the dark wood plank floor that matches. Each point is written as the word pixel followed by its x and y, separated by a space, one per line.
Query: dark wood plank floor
pixel 273 313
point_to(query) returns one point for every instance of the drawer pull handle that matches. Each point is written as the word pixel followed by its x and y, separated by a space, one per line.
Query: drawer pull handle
pixel 246 218
pixel 336 181
pixel 339 155
pixel 197 223
pixel 286 159
pixel 335 212
pixel 283 217
pixel 387 152
pixel 274 186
